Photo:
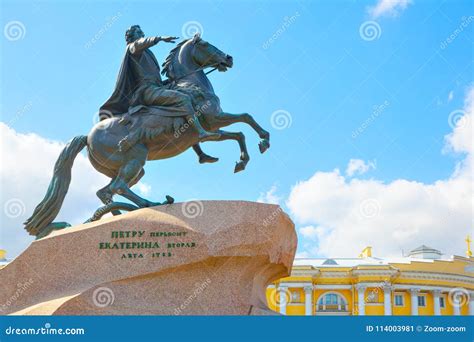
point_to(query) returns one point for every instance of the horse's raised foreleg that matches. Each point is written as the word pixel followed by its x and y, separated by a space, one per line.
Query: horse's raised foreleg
pixel 225 119
pixel 240 138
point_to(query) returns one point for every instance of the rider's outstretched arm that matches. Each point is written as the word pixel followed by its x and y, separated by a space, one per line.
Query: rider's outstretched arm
pixel 143 43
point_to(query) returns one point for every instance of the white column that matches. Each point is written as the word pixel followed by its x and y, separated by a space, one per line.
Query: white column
pixel 284 298
pixel 414 301
pixel 308 300
pixel 437 307
pixel 361 298
pixel 387 299
pixel 471 304
pixel 456 305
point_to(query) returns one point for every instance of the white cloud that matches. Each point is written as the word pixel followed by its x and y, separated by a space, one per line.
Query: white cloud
pixel 303 254
pixel 313 233
pixel 143 189
pixel 388 8
pixel 309 232
pixel 27 162
pixel 270 196
pixel 358 166
pixel 401 214
pixel 461 139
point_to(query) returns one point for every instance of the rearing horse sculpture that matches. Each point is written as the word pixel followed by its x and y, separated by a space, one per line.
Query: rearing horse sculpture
pixel 120 151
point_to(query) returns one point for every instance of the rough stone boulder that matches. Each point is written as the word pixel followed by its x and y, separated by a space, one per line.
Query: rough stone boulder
pixel 192 258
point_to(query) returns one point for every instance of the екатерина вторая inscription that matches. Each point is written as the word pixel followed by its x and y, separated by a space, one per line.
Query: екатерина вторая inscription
pixel 128 241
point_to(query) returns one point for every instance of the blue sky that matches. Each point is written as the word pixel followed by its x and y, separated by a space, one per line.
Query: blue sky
pixel 306 58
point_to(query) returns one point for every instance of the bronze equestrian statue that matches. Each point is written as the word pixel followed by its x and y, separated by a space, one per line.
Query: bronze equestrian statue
pixel 141 125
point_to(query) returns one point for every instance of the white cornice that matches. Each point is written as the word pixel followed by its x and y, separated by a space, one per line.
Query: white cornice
pixel 398 287
pixel 343 274
pixel 294 284
pixel 375 272
pixel 332 287
pixel 437 276
pixel 305 273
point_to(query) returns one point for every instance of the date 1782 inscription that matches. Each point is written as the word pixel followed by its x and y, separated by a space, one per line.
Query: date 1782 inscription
pixel 161 244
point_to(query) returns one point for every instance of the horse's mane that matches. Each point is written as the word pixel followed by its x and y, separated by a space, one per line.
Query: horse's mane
pixel 168 63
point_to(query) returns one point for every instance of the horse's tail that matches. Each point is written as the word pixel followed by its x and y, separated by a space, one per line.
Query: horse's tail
pixel 49 207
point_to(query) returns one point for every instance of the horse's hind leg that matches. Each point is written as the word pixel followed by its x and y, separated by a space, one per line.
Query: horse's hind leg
pixel 120 184
pixel 105 195
pixel 129 174
pixel 137 178
pixel 225 119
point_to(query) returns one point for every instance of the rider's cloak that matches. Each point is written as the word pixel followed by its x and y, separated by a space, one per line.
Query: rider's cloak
pixel 119 101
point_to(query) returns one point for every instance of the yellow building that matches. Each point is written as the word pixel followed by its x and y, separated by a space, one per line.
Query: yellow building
pixel 423 283
pixel 3 258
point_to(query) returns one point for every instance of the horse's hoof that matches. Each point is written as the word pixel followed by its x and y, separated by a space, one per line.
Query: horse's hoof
pixel 239 166
pixel 169 200
pixel 263 145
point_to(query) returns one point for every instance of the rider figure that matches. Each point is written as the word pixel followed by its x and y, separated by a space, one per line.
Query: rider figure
pixel 139 83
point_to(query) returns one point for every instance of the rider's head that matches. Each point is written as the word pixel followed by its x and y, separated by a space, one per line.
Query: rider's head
pixel 133 33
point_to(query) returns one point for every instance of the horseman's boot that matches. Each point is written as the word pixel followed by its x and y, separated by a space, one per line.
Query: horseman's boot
pixel 203 157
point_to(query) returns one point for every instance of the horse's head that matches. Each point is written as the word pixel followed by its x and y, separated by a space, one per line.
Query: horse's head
pixel 205 54
pixel 194 55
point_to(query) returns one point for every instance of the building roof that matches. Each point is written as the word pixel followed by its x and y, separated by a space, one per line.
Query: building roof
pixel 424 249
pixel 353 262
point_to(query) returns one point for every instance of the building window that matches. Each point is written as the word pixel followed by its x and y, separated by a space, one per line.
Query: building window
pixel 421 300
pixel 399 300
pixel 295 297
pixel 442 304
pixel 332 302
